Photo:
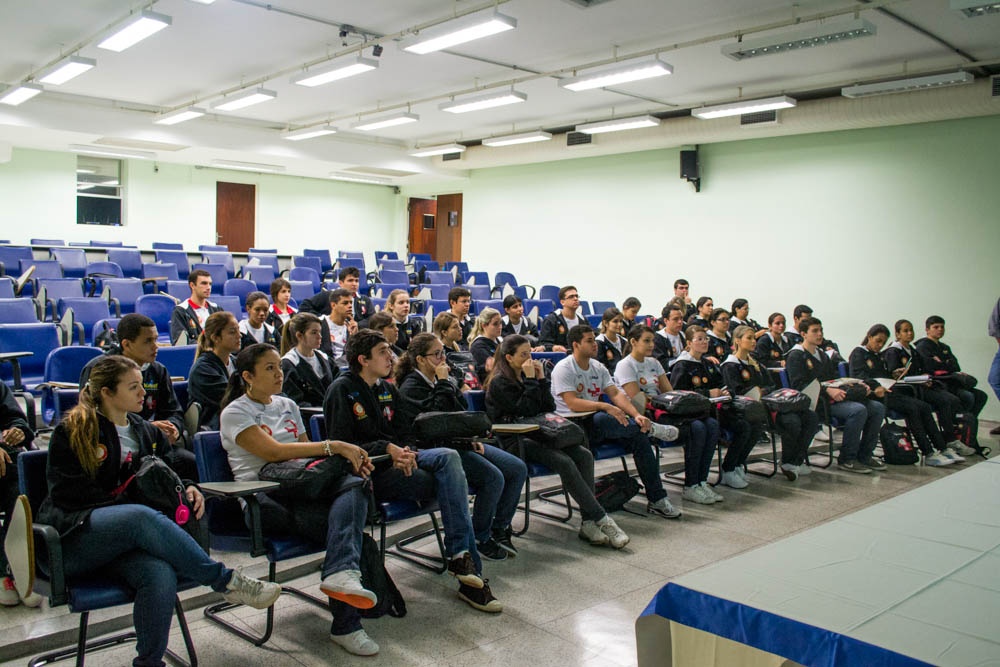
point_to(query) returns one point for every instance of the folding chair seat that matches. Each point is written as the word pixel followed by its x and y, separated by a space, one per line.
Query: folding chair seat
pixel 53 289
pixel 414 257
pixel 302 290
pixel 433 307
pixel 601 306
pixel 462 267
pixel 506 278
pixel 97 272
pixel 239 287
pixel 43 269
pixel 122 294
pixel 81 314
pixel 261 275
pixel 326 261
pixel 23 351
pixel 386 254
pixel 394 276
pixel 129 259
pixel 550 292
pixel 351 254
pixel 536 309
pixel 439 278
pixel 391 265
pixel 158 273
pixel 6 287
pixel 263 259
pixel 223 257
pixel 479 292
pixel 438 290
pixel 177 358
pixel 594 320
pixel 162 245
pixel 86 593
pixel 213 248
pixel 157 307
pixel 63 366
pixel 18 311
pixel 179 258
pixel 178 289
pixel 308 262
pixel 11 257
pixel 495 304
pixel 477 278
pixel 264 251
pixel 383 290
pixel 73 261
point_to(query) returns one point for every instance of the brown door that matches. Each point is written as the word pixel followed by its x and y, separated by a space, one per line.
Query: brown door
pixel 449 228
pixel 235 215
pixel 423 226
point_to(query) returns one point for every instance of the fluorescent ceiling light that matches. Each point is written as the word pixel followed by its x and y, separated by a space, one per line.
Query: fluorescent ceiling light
pixel 522 138
pixel 135 29
pixel 203 2
pixel 248 166
pixel 386 121
pixel 66 69
pixel 903 85
pixel 245 99
pixel 101 151
pixel 179 116
pixel 635 70
pixel 458 31
pixel 20 93
pixel 334 72
pixel 309 132
pixel 480 102
pixel 974 8
pixel 618 124
pixel 428 151
pixel 355 178
pixel 819 34
pixel 740 108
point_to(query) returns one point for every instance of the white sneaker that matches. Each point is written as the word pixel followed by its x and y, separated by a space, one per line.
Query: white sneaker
pixel 822 435
pixel 954 456
pixel 696 494
pixel 790 470
pixel 356 643
pixel 938 459
pixel 664 432
pixel 742 472
pixel 591 532
pixel 346 587
pixel 616 536
pixel 8 594
pixel 804 469
pixel 711 492
pixel 733 480
pixel 32 600
pixel 663 508
pixel 960 448
pixel 255 593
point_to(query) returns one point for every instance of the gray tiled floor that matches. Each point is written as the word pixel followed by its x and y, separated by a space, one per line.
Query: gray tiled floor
pixel 566 603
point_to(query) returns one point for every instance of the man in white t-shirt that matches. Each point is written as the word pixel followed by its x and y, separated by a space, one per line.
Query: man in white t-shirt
pixel 338 326
pixel 557 324
pixel 577 384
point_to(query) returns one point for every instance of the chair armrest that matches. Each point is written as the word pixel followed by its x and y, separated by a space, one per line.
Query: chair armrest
pixel 12 358
pixel 236 489
pixel 49 537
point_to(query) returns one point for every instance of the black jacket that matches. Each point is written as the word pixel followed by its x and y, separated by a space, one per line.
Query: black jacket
pixel 482 348
pixel 720 348
pixel 11 416
pixel 740 377
pixel 183 318
pixel 417 396
pixel 694 375
pixel 272 335
pixel 529 330
pixel 407 330
pixel 803 368
pixel 936 357
pixel 301 383
pixel 507 401
pixel 361 414
pixel 663 349
pixel 161 402
pixel 608 354
pixel 867 365
pixel 769 352
pixel 554 330
pixel 207 385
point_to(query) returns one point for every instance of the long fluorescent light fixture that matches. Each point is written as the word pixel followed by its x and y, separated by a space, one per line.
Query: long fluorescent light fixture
pixel 248 166
pixel 740 108
pixel 618 124
pixel 904 85
pixel 101 151
pixel 355 178
pixel 974 8
pixel 636 70
pixel 480 102
pixel 136 29
pixel 66 69
pixel 386 121
pixel 443 149
pixel 458 31
pixel 820 34
pixel 522 138
pixel 309 132
pixel 20 93
pixel 179 116
pixel 245 99
pixel 341 70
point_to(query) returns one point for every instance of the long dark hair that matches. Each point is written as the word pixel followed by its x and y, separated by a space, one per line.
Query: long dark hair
pixel 875 330
pixel 297 325
pixel 501 366
pixel 407 363
pixel 246 360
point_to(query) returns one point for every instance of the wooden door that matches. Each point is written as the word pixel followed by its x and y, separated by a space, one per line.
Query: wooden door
pixel 449 228
pixel 423 226
pixel 235 215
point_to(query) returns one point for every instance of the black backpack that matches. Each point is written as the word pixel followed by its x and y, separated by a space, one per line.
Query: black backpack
pixel 614 490
pixel 897 447
pixel 682 403
pixel 376 578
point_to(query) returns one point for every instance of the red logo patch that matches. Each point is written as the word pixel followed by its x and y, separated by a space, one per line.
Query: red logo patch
pixel 266 429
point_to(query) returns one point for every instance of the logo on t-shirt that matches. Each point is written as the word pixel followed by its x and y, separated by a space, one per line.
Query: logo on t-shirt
pixel 745 374
pixel 292 427
pixel 809 364
pixel 579 388
pixel 266 429
pixel 642 380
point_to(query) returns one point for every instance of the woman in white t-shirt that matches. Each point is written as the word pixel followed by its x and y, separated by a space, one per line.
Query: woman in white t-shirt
pixel 260 426
pixel 281 310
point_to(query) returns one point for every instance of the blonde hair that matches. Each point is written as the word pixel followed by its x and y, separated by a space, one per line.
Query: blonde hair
pixel 741 331
pixel 485 316
pixel 442 322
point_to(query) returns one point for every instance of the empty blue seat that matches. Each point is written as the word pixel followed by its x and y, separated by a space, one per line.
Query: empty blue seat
pixel 601 306
pixel 544 307
pixel 356 262
pixel 307 274
pixel 218 274
pixel 391 265
pixel 383 290
pixel 302 290
pixel 106 244
pixel 53 289
pixel 18 311
pixel 63 365
pixel 73 261
pixel 44 268
pixel 353 254
pixel 439 278
pixel 47 242
pixel 98 271
pixel 230 304
pixel 463 267
pixel 179 289
pixel 178 258
pixel 161 272
pixel 308 262
pixel 39 340
pixel 122 294
pixel 550 292
pixel 161 245
pixel 157 307
pixel 326 260
pixel 223 248
pixel 495 304
pixel 10 259
pixel 177 358
pixel 477 278
pixel 129 259
pixel 6 287
pixel 479 292
pixel 438 291
pixel 239 287
pixel 263 258
pixel 393 276
pixel 585 308
pixel 386 254
pixel 415 256
pixel 594 321
pixel 220 257
pixel 86 312
pixel 261 275
pixel 266 251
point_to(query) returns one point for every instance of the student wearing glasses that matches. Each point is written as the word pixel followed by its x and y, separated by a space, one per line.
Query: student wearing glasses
pixel 720 342
pixel 557 324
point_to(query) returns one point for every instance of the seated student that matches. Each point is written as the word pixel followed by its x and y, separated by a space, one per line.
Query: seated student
pixel 938 360
pixel 669 341
pixel 740 315
pixel 212 367
pixel 862 420
pixel 774 344
pixel 15 437
pixel 611 343
pixel 459 303
pixel 398 306
pixel 90 455
pixel 308 371
pixel 260 426
pixel 692 373
pixel 866 364
pixel 741 373
pixel 577 384
pixel 360 407
pixel 557 324
pixel 514 322
pixel 793 333
pixel 448 330
pixel 517 388
pixel 630 310
pixel 702 312
pixel 337 326
pixel 902 358
pixel 189 316
pixel 281 310
pixel 255 329
pixel 425 382
pixel 348 279
pixel 719 339
pixel 484 340
pixel 682 291
pixel 384 324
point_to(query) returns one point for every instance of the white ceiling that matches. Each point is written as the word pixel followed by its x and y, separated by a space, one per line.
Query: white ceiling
pixel 211 49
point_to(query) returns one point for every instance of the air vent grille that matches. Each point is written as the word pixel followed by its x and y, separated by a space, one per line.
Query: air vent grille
pixel 451 156
pixel 578 138
pixel 995 87
pixel 759 118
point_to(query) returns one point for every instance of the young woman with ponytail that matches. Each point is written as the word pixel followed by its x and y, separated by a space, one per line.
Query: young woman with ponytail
pixel 212 366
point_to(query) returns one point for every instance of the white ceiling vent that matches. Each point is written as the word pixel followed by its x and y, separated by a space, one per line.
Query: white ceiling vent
pixel 578 138
pixel 759 118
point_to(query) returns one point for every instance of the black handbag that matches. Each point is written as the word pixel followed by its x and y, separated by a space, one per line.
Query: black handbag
pixel 454 429
pixel 555 431
pixel 786 400
pixel 463 367
pixel 615 489
pixel 682 403
pixel 311 478
pixel 155 485
pixel 747 409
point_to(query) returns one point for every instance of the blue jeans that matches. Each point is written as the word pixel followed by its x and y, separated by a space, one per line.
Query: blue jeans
pixel 496 478
pixel 147 551
pixel 606 429
pixel 862 422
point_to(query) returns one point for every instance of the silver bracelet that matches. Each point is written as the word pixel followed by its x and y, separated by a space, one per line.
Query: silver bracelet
pixel 326 448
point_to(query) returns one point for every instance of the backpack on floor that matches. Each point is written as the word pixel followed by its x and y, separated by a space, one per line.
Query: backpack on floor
pixel 897 448
pixel 376 578
pixel 614 490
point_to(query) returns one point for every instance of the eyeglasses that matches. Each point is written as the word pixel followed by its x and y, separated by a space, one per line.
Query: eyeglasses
pixel 436 355
pixel 572 296
pixel 722 319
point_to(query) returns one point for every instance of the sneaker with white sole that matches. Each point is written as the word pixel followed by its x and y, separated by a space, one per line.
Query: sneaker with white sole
pixel 345 586
pixel 480 598
pixel 938 459
pixel 664 432
pixel 954 456
pixel 463 568
pixel 356 643
pixel 662 507
pixel 804 469
pixel 696 494
pixel 733 480
pixel 32 600
pixel 960 448
pixel 591 532
pixel 790 470
pixel 717 497
pixel 255 593
pixel 616 536
pixel 8 594
pixel 854 466
pixel 875 463
pixel 742 472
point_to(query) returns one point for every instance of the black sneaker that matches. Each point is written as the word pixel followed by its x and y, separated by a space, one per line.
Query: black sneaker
pixel 503 538
pixel 491 550
pixel 874 463
pixel 463 569
pixel 480 598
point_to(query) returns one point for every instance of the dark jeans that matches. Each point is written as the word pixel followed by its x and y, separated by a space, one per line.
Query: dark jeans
pixel 862 422
pixel 744 438
pixel 496 478
pixel 919 419
pixel 699 438
pixel 946 405
pixel 575 467
pixel 147 551
pixel 797 430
